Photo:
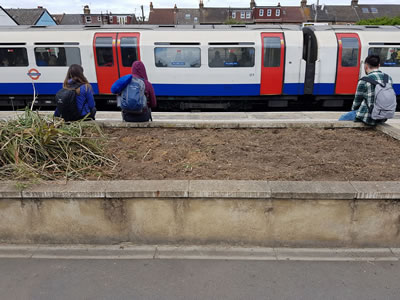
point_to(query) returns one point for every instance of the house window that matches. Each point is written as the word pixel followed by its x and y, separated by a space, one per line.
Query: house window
pixel 57 56
pixel 261 12
pixel 196 19
pixel 88 19
pixel 111 19
pixel 278 12
pixel 374 10
pixel 229 57
pixel 98 19
pixel 187 16
pixel 13 57
pixel 365 10
pixel 234 15
pixel 242 15
pixel 248 15
pixel 269 12
pixel 177 57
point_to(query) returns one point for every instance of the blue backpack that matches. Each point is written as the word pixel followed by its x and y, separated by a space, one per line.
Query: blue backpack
pixel 132 97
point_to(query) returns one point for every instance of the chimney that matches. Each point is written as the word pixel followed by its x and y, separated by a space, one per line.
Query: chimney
pixel 40 7
pixel 252 4
pixel 279 4
pixel 354 2
pixel 151 6
pixel 201 4
pixel 303 3
pixel 175 9
pixel 86 10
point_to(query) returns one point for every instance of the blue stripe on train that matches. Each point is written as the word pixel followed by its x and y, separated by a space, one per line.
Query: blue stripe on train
pixel 221 89
pixel 41 88
pixel 329 88
pixel 160 89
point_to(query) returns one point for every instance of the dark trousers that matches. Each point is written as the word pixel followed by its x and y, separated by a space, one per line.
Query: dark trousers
pixel 135 117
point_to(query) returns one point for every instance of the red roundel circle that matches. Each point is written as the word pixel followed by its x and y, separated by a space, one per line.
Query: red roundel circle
pixel 34 74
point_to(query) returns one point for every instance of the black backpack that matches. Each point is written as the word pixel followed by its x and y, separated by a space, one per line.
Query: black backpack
pixel 66 103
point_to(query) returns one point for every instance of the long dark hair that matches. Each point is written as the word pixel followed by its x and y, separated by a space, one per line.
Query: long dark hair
pixel 75 73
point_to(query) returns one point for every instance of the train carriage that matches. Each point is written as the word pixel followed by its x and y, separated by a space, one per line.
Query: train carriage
pixel 200 66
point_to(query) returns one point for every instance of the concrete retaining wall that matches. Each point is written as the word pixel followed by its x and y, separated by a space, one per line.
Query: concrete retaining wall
pixel 250 213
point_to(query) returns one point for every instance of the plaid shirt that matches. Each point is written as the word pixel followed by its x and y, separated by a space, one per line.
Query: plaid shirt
pixel 365 94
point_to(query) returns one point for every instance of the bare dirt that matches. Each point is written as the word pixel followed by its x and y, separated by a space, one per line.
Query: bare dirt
pixel 255 154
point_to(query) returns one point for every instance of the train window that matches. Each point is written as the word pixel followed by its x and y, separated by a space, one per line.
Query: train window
pixel 104 52
pixel 390 56
pixel 128 51
pixel 177 57
pixel 13 57
pixel 57 56
pixel 272 52
pixel 228 57
pixel 349 52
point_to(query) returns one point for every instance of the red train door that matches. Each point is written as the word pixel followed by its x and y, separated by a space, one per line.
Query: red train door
pixel 273 60
pixel 114 54
pixel 348 68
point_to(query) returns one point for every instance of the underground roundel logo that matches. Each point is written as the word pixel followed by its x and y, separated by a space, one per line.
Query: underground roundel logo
pixel 34 74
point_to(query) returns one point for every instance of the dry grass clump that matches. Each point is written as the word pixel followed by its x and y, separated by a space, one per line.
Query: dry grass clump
pixel 39 147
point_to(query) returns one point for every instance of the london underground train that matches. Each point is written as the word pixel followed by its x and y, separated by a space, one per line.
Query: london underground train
pixel 201 65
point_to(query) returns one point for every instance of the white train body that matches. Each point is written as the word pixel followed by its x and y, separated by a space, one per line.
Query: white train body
pixel 267 63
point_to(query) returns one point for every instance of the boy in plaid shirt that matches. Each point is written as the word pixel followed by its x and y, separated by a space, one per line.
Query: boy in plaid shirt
pixel 365 94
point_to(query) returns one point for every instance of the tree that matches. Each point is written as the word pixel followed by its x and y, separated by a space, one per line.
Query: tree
pixel 380 21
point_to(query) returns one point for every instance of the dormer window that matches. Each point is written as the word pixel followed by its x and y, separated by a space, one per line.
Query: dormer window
pixel 261 12
pixel 269 12
pixel 278 12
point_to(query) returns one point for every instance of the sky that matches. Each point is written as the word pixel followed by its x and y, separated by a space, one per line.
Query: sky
pixel 133 6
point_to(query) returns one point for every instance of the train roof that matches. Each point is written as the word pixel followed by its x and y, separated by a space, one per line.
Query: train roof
pixel 238 27
pixel 353 28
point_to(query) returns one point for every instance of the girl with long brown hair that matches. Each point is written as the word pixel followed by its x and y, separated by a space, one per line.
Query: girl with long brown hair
pixel 75 80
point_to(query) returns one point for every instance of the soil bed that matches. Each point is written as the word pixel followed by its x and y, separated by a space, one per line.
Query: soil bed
pixel 255 154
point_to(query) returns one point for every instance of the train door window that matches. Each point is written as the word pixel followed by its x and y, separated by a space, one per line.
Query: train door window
pixel 349 52
pixel 128 51
pixel 104 52
pixel 272 51
pixel 177 57
pixel 228 57
pixel 57 56
pixel 13 57
pixel 390 56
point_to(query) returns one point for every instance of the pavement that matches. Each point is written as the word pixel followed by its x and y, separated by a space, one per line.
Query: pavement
pixel 88 279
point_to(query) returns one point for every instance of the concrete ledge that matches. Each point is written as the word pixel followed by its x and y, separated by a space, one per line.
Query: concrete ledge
pixel 252 213
pixel 233 189
pixel 128 251
pixel 233 124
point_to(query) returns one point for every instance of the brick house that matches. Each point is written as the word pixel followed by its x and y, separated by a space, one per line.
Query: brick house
pixel 88 18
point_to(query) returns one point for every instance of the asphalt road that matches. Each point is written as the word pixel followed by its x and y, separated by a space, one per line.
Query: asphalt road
pixel 196 279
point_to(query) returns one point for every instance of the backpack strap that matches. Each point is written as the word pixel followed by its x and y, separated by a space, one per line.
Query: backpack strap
pixel 374 82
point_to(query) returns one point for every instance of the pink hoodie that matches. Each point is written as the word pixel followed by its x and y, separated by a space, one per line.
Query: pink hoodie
pixel 139 71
